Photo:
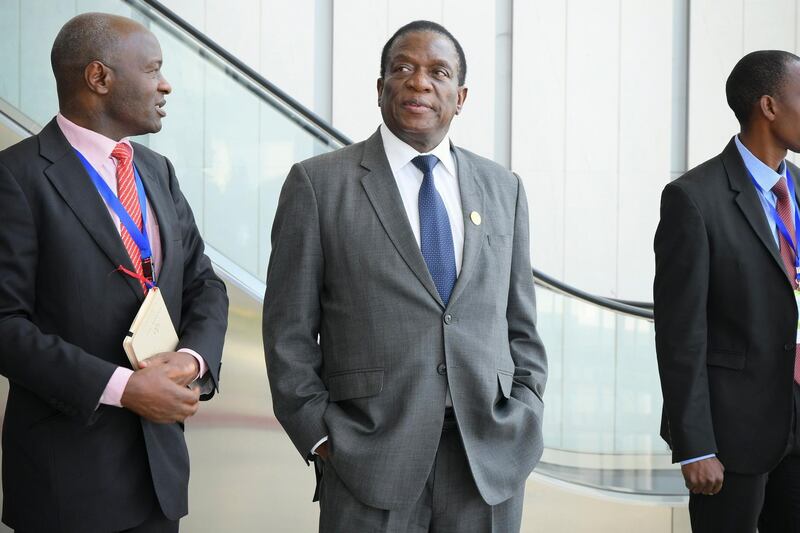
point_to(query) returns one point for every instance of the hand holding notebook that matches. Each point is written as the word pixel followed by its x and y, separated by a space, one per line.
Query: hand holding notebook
pixel 151 331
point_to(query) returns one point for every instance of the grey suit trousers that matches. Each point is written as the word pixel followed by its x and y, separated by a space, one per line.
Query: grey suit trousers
pixel 449 503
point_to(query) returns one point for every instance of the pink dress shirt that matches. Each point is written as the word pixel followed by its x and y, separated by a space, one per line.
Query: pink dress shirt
pixel 97 148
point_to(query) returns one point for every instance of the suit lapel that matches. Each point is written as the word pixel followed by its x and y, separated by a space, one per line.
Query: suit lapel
pixel 381 189
pixel 471 200
pixel 67 175
pixel 748 201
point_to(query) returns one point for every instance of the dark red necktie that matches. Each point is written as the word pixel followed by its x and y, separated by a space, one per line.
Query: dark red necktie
pixel 784 208
pixel 129 198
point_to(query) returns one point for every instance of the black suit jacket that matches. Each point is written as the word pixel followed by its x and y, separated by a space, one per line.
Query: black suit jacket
pixel 725 320
pixel 69 465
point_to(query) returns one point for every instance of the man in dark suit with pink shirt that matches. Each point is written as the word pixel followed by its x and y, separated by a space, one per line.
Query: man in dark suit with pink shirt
pixel 89 443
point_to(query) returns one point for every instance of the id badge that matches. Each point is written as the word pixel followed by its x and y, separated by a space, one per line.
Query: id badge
pixel 797 302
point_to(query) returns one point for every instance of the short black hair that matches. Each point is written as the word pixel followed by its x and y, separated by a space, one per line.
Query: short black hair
pixel 757 74
pixel 426 25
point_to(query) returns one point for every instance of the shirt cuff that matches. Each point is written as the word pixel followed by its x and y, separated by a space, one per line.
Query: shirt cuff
pixel 200 361
pixel 112 395
pixel 317 445
pixel 687 461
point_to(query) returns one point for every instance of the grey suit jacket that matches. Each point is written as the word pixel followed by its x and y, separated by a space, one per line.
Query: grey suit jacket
pixel 360 347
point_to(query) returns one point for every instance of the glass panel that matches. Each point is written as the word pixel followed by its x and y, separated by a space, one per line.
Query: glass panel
pixel 638 390
pixel 39 22
pixel 603 394
pixel 550 308
pixel 9 51
pixel 182 137
pixel 231 184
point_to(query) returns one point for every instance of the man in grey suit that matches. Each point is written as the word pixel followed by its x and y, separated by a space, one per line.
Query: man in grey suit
pixel 399 318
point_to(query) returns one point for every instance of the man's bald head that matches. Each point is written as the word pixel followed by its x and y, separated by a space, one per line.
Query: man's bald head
pixel 85 38
pixel 108 75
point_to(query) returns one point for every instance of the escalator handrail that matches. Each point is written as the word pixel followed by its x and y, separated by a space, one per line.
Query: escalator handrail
pixel 617 306
pixel 634 303
pixel 257 78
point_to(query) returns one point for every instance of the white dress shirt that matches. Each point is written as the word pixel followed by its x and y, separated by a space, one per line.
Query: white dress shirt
pixel 409 180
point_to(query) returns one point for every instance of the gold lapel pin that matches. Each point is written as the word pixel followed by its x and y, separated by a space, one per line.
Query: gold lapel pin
pixel 475 217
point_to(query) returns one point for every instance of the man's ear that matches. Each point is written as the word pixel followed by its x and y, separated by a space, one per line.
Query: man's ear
pixel 766 106
pixel 380 90
pixel 98 77
pixel 462 95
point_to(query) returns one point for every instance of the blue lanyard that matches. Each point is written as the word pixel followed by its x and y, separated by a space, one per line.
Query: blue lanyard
pixel 139 235
pixel 778 222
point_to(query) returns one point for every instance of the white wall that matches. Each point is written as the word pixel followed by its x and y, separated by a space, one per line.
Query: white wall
pixel 591 136
pixel 277 38
pixel 721 32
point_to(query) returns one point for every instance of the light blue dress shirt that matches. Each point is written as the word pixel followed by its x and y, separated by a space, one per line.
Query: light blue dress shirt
pixel 766 179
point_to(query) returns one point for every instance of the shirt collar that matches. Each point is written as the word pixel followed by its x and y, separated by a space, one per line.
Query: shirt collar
pixel 95 147
pixel 400 154
pixel 764 176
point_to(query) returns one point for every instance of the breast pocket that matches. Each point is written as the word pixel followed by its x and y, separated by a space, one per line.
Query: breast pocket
pixel 496 259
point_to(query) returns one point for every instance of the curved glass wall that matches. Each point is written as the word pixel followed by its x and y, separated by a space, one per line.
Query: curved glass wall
pixel 603 392
pixel 603 402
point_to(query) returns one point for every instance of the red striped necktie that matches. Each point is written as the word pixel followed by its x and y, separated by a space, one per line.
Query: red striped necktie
pixel 129 198
pixel 783 206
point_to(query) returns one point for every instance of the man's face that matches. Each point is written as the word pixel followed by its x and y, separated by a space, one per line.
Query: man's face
pixel 419 93
pixel 786 126
pixel 136 98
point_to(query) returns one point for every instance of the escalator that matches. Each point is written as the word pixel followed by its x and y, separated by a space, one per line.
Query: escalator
pixel 603 398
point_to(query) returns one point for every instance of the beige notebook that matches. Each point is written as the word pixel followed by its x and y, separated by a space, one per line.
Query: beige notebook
pixel 151 331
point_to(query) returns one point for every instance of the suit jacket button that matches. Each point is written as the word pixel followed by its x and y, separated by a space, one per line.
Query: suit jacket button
pixel 441 369
pixel 789 347
pixel 448 318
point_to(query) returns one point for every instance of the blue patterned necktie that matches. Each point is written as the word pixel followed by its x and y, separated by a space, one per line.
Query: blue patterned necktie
pixel 436 238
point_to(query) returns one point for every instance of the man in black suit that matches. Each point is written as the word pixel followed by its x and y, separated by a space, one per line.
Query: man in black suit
pixel 89 444
pixel 725 311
